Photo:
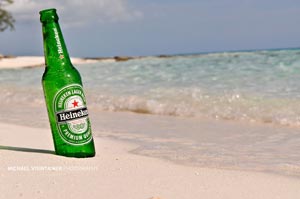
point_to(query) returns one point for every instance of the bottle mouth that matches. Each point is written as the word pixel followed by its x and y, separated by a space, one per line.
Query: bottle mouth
pixel 48 15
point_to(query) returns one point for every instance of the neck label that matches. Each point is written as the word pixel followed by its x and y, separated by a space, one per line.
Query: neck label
pixel 58 44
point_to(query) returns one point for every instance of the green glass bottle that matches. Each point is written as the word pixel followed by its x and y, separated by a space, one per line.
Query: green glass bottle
pixel 65 99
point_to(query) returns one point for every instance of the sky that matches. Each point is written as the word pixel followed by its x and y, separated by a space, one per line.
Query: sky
pixel 101 28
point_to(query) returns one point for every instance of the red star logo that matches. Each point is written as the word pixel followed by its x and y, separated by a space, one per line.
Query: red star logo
pixel 75 103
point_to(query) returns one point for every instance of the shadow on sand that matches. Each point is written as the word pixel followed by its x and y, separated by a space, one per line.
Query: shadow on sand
pixel 29 150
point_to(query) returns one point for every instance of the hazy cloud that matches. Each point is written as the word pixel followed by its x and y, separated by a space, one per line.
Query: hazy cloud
pixel 76 12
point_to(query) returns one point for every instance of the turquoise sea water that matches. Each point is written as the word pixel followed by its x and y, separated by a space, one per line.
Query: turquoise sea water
pixel 236 110
pixel 257 86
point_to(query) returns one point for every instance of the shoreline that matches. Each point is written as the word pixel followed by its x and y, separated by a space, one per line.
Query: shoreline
pixel 27 158
pixel 14 62
pixel 196 142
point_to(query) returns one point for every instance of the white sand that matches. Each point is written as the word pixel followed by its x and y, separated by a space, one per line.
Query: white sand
pixel 32 61
pixel 28 169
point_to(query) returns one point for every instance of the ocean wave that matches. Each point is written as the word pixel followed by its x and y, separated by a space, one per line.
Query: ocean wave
pixel 234 107
pixel 178 103
pixel 24 96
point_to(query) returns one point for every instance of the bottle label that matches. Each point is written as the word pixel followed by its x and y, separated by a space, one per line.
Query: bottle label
pixel 72 115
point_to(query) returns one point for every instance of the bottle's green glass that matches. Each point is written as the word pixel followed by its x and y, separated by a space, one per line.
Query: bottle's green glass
pixel 65 99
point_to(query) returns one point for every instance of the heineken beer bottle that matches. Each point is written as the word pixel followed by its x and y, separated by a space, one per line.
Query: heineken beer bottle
pixel 65 99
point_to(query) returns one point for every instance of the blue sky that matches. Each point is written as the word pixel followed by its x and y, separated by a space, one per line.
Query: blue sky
pixel 97 28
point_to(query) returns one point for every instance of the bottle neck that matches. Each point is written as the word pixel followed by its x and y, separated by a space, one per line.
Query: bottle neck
pixel 55 50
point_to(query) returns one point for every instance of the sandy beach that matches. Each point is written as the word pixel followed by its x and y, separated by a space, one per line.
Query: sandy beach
pixel 29 169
